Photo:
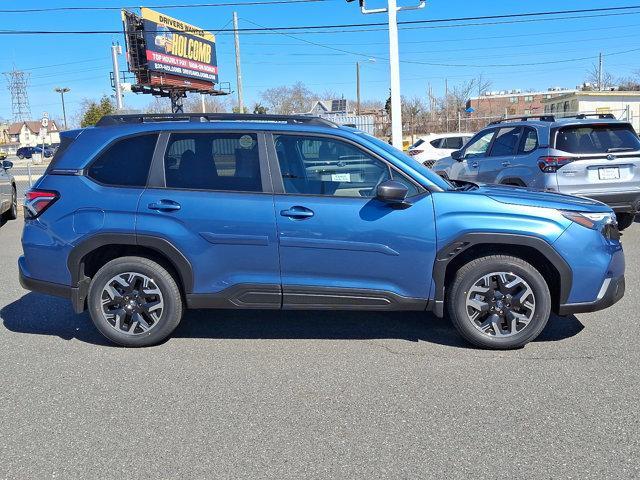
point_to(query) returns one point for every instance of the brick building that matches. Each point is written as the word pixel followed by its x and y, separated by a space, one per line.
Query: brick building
pixel 514 102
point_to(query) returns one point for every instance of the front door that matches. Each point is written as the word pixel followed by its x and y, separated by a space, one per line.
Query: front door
pixel 339 246
pixel 474 154
pixel 500 158
pixel 210 196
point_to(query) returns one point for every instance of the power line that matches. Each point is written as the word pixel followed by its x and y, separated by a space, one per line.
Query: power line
pixel 192 5
pixel 598 12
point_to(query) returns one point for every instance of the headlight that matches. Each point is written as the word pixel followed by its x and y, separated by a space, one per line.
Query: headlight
pixel 605 223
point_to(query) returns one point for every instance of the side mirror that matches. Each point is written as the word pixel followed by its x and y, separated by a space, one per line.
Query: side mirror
pixel 457 155
pixel 6 164
pixel 392 192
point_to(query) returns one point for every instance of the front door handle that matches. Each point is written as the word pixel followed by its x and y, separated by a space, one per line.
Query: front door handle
pixel 506 163
pixel 297 213
pixel 474 165
pixel 165 206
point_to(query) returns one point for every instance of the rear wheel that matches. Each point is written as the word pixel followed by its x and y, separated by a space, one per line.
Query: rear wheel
pixel 134 302
pixel 499 302
pixel 625 220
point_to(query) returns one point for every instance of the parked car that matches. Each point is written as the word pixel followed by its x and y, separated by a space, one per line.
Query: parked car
pixel 8 192
pixel 28 152
pixel 144 216
pixel 596 158
pixel 432 147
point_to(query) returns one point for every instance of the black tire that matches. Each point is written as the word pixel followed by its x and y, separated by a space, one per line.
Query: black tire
pixel 12 213
pixel 625 220
pixel 171 312
pixel 473 272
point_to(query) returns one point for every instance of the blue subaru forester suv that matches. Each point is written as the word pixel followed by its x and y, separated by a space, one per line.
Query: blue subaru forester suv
pixel 140 217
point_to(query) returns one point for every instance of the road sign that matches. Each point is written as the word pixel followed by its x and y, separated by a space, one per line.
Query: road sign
pixel 45 120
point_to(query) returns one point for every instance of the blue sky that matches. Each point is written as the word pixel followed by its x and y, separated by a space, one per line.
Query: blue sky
pixel 275 59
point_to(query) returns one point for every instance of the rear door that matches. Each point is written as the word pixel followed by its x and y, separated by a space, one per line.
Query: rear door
pixel 500 156
pixel 210 196
pixel 340 247
pixel 605 158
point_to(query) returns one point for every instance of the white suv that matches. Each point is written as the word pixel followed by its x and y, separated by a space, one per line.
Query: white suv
pixel 434 146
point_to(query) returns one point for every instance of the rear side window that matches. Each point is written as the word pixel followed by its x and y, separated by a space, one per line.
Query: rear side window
pixel 597 139
pixel 528 142
pixel 125 163
pixel 505 142
pixel 213 161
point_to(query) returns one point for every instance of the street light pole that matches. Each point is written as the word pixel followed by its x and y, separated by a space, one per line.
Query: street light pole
pixel 394 62
pixel 62 91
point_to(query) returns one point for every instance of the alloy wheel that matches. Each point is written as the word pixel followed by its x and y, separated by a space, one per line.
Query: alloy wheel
pixel 500 304
pixel 132 303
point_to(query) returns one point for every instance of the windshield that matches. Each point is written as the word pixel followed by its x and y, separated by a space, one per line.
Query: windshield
pixel 426 172
pixel 606 138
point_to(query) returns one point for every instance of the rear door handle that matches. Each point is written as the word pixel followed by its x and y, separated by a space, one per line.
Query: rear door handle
pixel 474 165
pixel 165 206
pixel 506 163
pixel 297 212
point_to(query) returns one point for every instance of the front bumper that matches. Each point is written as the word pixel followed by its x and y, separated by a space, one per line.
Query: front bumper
pixel 77 295
pixel 611 292
pixel 618 201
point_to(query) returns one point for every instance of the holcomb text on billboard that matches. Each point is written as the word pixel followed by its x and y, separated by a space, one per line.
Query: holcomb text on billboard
pixel 177 48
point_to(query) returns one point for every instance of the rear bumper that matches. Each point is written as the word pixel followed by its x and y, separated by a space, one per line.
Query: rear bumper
pixel 612 291
pixel 618 201
pixel 77 295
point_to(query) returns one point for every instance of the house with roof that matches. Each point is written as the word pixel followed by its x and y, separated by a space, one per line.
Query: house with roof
pixel 31 133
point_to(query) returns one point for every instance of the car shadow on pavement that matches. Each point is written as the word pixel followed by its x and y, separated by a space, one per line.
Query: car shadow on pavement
pixel 42 315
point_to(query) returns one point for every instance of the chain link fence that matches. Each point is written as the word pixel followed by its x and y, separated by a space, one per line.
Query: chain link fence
pixel 25 173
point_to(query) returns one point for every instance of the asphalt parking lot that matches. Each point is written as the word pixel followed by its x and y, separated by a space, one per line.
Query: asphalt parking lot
pixel 315 395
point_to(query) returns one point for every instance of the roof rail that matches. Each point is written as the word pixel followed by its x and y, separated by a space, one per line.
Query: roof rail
pixel 542 118
pixel 109 120
pixel 602 116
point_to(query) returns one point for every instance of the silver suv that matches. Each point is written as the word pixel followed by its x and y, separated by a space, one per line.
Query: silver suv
pixel 593 156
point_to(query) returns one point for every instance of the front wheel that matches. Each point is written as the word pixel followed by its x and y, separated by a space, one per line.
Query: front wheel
pixel 625 220
pixel 135 302
pixel 499 302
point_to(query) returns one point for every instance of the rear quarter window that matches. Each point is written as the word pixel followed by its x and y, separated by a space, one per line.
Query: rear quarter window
pixel 125 163
pixel 584 139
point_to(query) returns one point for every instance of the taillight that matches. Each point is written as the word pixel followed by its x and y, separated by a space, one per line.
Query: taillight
pixel 553 164
pixel 413 153
pixel 37 201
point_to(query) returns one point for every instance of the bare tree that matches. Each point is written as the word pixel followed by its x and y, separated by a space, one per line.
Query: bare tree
pixel 288 100
pixel 593 78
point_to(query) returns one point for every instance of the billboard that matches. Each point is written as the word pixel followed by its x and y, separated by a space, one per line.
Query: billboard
pixel 177 49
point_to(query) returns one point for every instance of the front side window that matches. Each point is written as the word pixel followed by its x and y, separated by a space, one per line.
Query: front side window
pixel 125 163
pixel 327 166
pixel 505 142
pixel 213 161
pixel 452 143
pixel 479 145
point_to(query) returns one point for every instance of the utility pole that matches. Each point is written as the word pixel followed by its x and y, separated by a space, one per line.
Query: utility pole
pixel 446 104
pixel 394 62
pixel 115 51
pixel 358 88
pixel 238 67
pixel 600 72
pixel 62 91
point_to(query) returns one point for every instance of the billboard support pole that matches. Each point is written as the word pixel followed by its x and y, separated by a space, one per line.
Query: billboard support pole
pixel 115 51
pixel 238 67
pixel 177 105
